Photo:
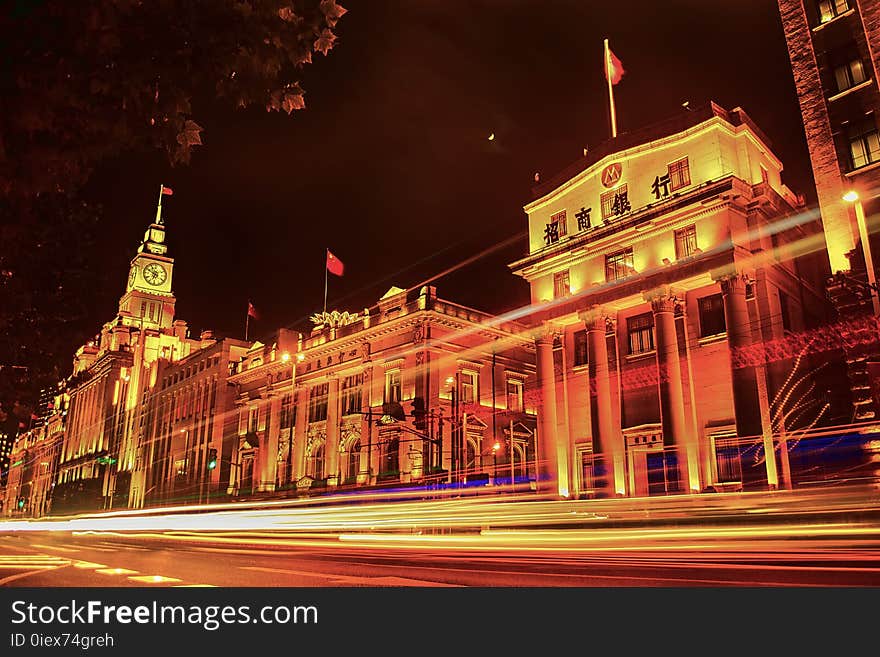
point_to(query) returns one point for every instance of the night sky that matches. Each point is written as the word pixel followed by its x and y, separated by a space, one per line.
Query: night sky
pixel 390 165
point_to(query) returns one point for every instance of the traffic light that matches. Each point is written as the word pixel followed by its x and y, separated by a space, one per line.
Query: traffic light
pixel 420 416
pixel 212 458
pixel 392 412
pixel 20 502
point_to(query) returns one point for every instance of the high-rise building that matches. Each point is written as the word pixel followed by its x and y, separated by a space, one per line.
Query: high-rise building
pixel 834 46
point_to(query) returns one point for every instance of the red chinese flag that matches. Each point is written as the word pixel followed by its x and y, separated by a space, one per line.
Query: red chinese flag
pixel 334 264
pixel 252 312
pixel 167 191
pixel 613 68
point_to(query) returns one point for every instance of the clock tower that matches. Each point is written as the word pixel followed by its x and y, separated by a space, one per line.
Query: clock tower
pixel 148 301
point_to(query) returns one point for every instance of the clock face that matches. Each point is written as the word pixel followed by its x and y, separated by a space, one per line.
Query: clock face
pixel 132 275
pixel 155 274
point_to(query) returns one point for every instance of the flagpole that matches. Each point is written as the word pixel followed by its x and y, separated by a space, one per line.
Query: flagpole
pixel 247 323
pixel 325 280
pixel 610 89
pixel 159 208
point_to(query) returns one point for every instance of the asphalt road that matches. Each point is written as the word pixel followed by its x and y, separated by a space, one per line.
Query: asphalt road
pixel 788 556
pixel 823 537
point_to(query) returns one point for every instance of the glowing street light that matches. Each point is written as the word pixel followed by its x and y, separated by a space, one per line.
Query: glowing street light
pixel 852 196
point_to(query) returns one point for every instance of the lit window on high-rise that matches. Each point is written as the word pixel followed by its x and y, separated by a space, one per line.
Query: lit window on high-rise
pixel 829 9
pixel 864 142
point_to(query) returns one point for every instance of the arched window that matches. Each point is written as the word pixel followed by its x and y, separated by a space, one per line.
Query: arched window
pixel 471 462
pixel 353 465
pixel 316 462
pixel 390 462
pixel 520 462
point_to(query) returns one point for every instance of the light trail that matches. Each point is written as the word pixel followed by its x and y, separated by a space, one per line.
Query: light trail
pixel 571 520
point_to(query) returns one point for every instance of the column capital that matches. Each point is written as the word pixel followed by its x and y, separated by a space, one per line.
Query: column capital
pixel 598 318
pixel 732 280
pixel 545 333
pixel 663 299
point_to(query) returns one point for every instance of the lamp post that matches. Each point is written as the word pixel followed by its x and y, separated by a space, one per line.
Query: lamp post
pixel 512 456
pixel 183 474
pixel 852 196
pixel 455 432
pixel 287 358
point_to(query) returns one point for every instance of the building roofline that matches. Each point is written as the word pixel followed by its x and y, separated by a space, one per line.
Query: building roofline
pixel 666 128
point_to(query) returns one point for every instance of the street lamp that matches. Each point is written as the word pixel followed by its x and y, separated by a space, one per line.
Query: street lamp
pixel 287 358
pixel 455 431
pixel 852 196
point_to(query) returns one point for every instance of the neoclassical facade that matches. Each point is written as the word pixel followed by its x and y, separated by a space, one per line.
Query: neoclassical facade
pixel 659 266
pixel 111 380
pixel 189 420
pixel 34 462
pixel 414 389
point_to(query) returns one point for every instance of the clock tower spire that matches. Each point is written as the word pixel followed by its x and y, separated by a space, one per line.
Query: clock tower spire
pixel 148 301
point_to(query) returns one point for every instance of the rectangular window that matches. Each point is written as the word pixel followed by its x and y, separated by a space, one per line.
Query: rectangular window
pixel 318 402
pixel 711 315
pixel 286 420
pixel 392 386
pixel 641 333
pixel 561 286
pixel 829 9
pixel 615 202
pixel 514 395
pixel 561 223
pixel 619 265
pixel 864 142
pixel 351 394
pixel 784 311
pixel 849 75
pixel 468 385
pixel 679 174
pixel 253 418
pixel 685 242
pixel 765 176
pixel 580 348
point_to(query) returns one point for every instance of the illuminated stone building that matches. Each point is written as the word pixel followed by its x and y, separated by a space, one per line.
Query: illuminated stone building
pixel 834 47
pixel 111 379
pixel 34 463
pixel 412 390
pixel 657 263
pixel 189 412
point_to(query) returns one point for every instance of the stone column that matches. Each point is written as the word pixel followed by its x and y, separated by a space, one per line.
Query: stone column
pixel 739 337
pixel 368 440
pixel 608 447
pixel 299 433
pixel 331 449
pixel 269 460
pixel 552 452
pixel 675 430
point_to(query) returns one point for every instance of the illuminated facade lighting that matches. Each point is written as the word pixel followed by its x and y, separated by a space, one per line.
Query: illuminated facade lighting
pixel 694 252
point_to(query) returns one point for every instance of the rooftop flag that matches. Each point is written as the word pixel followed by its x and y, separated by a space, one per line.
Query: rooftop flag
pixel 613 68
pixel 613 72
pixel 252 312
pixel 334 264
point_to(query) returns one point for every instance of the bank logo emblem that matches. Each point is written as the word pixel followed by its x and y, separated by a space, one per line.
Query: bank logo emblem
pixel 611 174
